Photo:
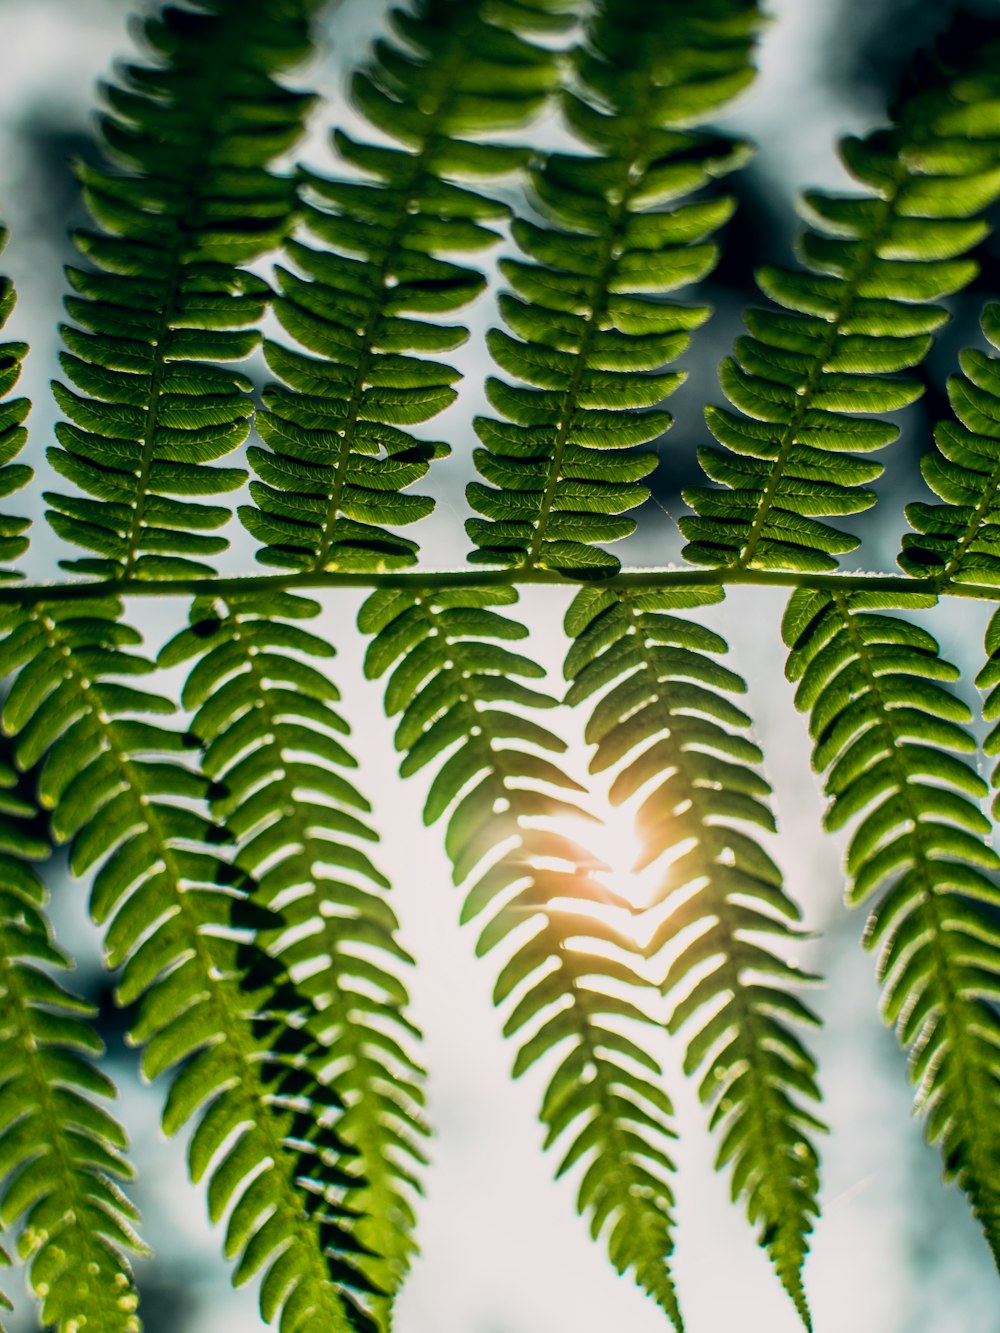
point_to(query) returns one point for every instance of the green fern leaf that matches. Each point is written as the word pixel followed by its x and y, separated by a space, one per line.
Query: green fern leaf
pixel 13 433
pixel 592 331
pixel 331 488
pixel 212 1008
pixel 150 409
pixel 988 681
pixel 274 752
pixel 674 737
pixel 960 539
pixel 499 785
pixel 809 370
pixel 61 1151
pixel 891 739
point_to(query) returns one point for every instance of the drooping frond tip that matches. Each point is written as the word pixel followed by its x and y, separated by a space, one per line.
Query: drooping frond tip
pixel 274 747
pixel 63 1153
pixel 664 722
pixel 891 738
pixel 499 783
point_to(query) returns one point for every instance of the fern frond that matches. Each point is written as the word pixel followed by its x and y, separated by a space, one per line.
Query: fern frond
pixel 211 1007
pixel 811 369
pixel 61 1152
pixel 273 748
pixel 165 301
pixel 892 741
pixel 570 972
pixel 960 539
pixel 674 736
pixel 332 480
pixel 591 331
pixel 988 680
pixel 13 433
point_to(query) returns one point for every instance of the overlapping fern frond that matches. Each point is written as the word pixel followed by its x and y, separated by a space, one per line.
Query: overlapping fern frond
pixel 213 1008
pixel 13 433
pixel 61 1152
pixel 825 354
pixel 988 680
pixel 332 482
pixel 462 701
pixel 591 330
pixel 891 739
pixel 166 301
pixel 668 727
pixel 273 747
pixel 958 540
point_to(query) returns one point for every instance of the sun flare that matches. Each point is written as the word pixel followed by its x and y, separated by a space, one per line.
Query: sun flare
pixel 617 843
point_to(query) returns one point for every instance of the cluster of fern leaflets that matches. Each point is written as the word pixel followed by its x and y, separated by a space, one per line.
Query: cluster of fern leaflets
pixel 227 842
pixel 672 735
pixel 61 1149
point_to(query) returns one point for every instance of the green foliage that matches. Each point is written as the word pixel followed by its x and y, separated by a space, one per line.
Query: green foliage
pixel 452 684
pixel 212 1008
pixel 674 737
pixel 332 482
pixel 957 539
pixel 13 433
pixel 273 751
pixel 190 199
pixel 591 330
pixel 61 1151
pixel 827 351
pixel 229 853
pixel 989 679
pixel 890 738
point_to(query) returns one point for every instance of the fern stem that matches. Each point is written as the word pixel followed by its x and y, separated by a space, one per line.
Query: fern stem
pixel 420 581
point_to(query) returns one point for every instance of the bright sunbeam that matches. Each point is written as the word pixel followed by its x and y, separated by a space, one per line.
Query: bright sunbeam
pixel 617 843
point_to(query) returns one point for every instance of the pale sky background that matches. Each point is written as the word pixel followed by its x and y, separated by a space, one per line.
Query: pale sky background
pixel 503 1251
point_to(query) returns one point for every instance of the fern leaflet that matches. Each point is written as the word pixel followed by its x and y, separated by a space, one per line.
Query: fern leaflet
pixel 988 679
pixel 61 1151
pixel 339 459
pixel 500 789
pixel 677 741
pixel 807 370
pixel 890 738
pixel 591 328
pixel 272 747
pixel 151 408
pixel 13 433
